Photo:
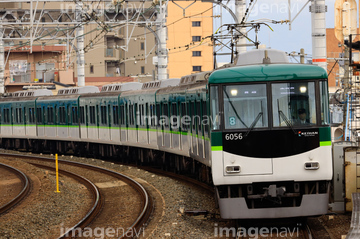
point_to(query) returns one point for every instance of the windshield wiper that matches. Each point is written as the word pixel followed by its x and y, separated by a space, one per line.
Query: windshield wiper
pixel 287 121
pixel 254 123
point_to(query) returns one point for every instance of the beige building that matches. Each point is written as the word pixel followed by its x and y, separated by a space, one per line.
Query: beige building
pixel 106 60
pixel 189 44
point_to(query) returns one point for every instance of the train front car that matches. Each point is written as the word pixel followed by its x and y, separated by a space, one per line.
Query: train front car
pixel 271 143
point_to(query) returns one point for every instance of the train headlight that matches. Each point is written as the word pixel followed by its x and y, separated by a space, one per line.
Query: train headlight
pixel 234 92
pixel 233 169
pixel 312 165
pixel 303 89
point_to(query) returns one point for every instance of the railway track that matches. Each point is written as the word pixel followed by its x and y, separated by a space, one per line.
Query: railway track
pixel 146 203
pixel 25 182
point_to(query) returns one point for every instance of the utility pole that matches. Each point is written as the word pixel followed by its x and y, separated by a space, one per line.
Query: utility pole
pixel 80 45
pixel 318 10
pixel 162 50
pixel 2 66
pixel 240 9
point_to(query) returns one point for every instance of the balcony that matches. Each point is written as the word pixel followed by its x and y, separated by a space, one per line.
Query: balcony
pixel 112 54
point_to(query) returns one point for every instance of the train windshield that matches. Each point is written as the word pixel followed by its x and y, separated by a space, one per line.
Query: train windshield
pixel 245 106
pixel 293 104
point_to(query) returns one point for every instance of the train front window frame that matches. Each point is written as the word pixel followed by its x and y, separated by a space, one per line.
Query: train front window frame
pixel 245 106
pixel 294 104
pixel 324 103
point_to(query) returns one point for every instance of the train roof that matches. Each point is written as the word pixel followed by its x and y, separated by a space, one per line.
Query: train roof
pixel 267 72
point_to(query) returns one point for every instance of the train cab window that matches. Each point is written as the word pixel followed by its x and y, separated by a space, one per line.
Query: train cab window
pixel 324 103
pixel 293 104
pixel 245 106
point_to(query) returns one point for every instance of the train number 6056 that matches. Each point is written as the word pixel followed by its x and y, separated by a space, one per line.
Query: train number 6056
pixel 233 136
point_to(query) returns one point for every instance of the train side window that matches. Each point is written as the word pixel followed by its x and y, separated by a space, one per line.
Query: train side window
pixel 62 116
pixel 153 115
pixel 166 115
pixel 116 115
pixel 141 120
pixel 39 114
pixel 74 111
pixel 157 114
pixel 82 115
pixel 31 115
pixel 205 119
pixel 193 114
pixel 50 115
pixel 198 116
pixel 92 114
pixel 174 118
pixel 135 116
pixel 103 115
pixel 184 118
pixel 131 114
pixel 146 119
pixel 122 114
pixel 214 108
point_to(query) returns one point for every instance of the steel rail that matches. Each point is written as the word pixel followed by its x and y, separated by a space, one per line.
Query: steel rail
pixel 26 188
pixel 146 202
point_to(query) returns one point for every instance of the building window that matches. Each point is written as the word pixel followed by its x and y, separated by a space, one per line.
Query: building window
pixel 91 69
pixel 196 38
pixel 196 68
pixel 196 23
pixel 143 70
pixel 142 46
pixel 196 53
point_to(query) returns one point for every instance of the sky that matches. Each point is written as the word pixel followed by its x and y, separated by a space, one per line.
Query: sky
pixel 281 38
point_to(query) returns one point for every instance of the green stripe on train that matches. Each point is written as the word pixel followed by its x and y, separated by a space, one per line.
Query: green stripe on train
pixel 325 143
pixel 216 148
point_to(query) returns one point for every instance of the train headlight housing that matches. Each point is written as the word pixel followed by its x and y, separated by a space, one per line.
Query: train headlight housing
pixel 312 165
pixel 233 169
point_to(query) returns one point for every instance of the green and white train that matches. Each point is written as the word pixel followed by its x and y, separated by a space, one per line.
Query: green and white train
pixel 237 128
